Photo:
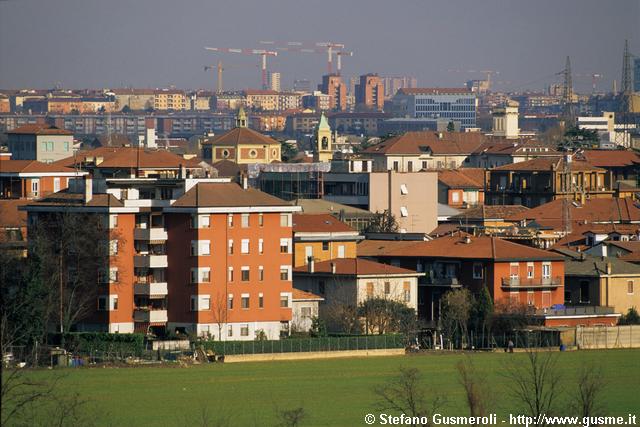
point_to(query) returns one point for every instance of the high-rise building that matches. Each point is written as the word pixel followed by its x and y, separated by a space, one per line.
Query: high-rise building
pixel 333 86
pixel 274 81
pixel 370 92
pixel 302 85
pixel 394 84
pixel 454 104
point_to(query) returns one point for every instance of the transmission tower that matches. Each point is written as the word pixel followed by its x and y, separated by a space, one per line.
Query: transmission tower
pixel 626 92
pixel 567 93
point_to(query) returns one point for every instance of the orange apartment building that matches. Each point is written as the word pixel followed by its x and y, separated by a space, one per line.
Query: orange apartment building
pixel 30 179
pixel 201 256
pixel 370 92
pixel 510 271
pixel 333 86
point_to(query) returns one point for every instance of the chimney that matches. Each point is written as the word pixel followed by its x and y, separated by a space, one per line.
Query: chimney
pixel 88 188
pixel 467 239
pixel 333 268
pixel 311 267
pixel 183 171
pixel 245 183
pixel 608 268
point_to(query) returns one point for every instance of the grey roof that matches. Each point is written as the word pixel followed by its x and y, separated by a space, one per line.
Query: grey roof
pixel 581 264
pixel 446 210
pixel 327 206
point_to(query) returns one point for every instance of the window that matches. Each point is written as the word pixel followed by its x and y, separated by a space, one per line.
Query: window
pixel 284 273
pixel 113 274
pixel 200 247
pixel 305 311
pixel 530 272
pixel 514 270
pixel 341 251
pixel 308 254
pixel 261 273
pixel 260 220
pixel 245 274
pixel 200 275
pixel 203 221
pixel 230 302
pixel 387 288
pixel 244 246
pixel 113 247
pixel 230 274
pixel 244 301
pixel 113 299
pixel 204 303
pixel 406 290
pixel 244 220
pixel 477 270
pixel 530 298
pixel 230 220
pixel 546 270
pixel 102 303
pixel 65 146
pixel 35 185
pixel 244 330
pixel 455 197
pixel 630 287
pixel 369 289
pixel 260 246
pixel 284 300
pixel 113 221
pixel 396 166
pixel 230 331
pixel 284 246
pixel 404 212
pixel 325 246
pixel 403 189
pixel 194 303
pixel 285 220
pixel 56 185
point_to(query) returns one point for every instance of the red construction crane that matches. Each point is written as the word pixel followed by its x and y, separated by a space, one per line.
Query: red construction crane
pixel 318 47
pixel 262 52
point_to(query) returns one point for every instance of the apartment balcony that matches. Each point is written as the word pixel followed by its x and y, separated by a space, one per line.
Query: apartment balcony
pixel 150 261
pixel 147 234
pixel 516 283
pixel 150 288
pixel 145 315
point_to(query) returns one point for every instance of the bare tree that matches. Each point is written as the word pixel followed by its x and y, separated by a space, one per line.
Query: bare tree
pixel 407 394
pixel 291 417
pixel 341 308
pixel 474 387
pixel 204 417
pixel 219 311
pixel 457 305
pixel 535 382
pixel 589 398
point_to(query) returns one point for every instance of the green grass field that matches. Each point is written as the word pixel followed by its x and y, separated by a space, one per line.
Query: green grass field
pixel 335 392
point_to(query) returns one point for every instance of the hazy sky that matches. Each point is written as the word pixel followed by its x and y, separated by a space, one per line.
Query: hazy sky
pixel 156 43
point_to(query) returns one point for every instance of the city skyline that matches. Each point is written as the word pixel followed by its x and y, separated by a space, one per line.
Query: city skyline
pixel 145 44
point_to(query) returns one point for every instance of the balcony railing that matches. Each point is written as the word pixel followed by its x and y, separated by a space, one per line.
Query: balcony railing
pixel 576 311
pixel 149 315
pixel 150 261
pixel 521 283
pixel 156 233
pixel 442 281
pixel 150 288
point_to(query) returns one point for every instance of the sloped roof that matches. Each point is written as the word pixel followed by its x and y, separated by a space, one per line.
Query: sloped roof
pixel 319 223
pixel 548 163
pixel 585 265
pixel 462 178
pixel 485 212
pixel 239 136
pixel 10 216
pixel 419 142
pixel 356 267
pixel 64 198
pixel 130 157
pixel 228 168
pixel 456 247
pixel 220 194
pixel 300 295
pixel 611 158
pixel 593 210
pixel 327 206
pixel 31 166
pixel 39 129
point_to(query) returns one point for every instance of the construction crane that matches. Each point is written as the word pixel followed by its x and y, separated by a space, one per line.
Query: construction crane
pixel 318 47
pixel 261 52
pixel 339 56
pixel 219 68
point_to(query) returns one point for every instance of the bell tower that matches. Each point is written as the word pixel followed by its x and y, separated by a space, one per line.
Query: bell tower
pixel 323 141
pixel 241 118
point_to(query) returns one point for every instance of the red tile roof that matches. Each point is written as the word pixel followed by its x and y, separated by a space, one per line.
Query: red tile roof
pixel 611 158
pixel 220 194
pixel 319 223
pixel 239 136
pixel 486 212
pixel 462 178
pixel 456 247
pixel 547 164
pixel 39 129
pixel 593 210
pixel 10 216
pixel 300 295
pixel 356 267
pixel 436 142
pixel 31 166
pixel 130 157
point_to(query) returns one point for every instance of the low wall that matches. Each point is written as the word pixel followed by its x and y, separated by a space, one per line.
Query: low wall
pixel 596 337
pixel 171 345
pixel 312 355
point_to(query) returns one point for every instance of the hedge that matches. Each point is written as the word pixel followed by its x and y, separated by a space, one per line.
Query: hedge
pixel 102 342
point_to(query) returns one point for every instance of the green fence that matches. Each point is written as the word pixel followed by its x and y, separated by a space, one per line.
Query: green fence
pixel 296 345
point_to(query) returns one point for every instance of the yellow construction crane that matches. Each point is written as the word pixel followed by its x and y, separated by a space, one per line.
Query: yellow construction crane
pixel 219 68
